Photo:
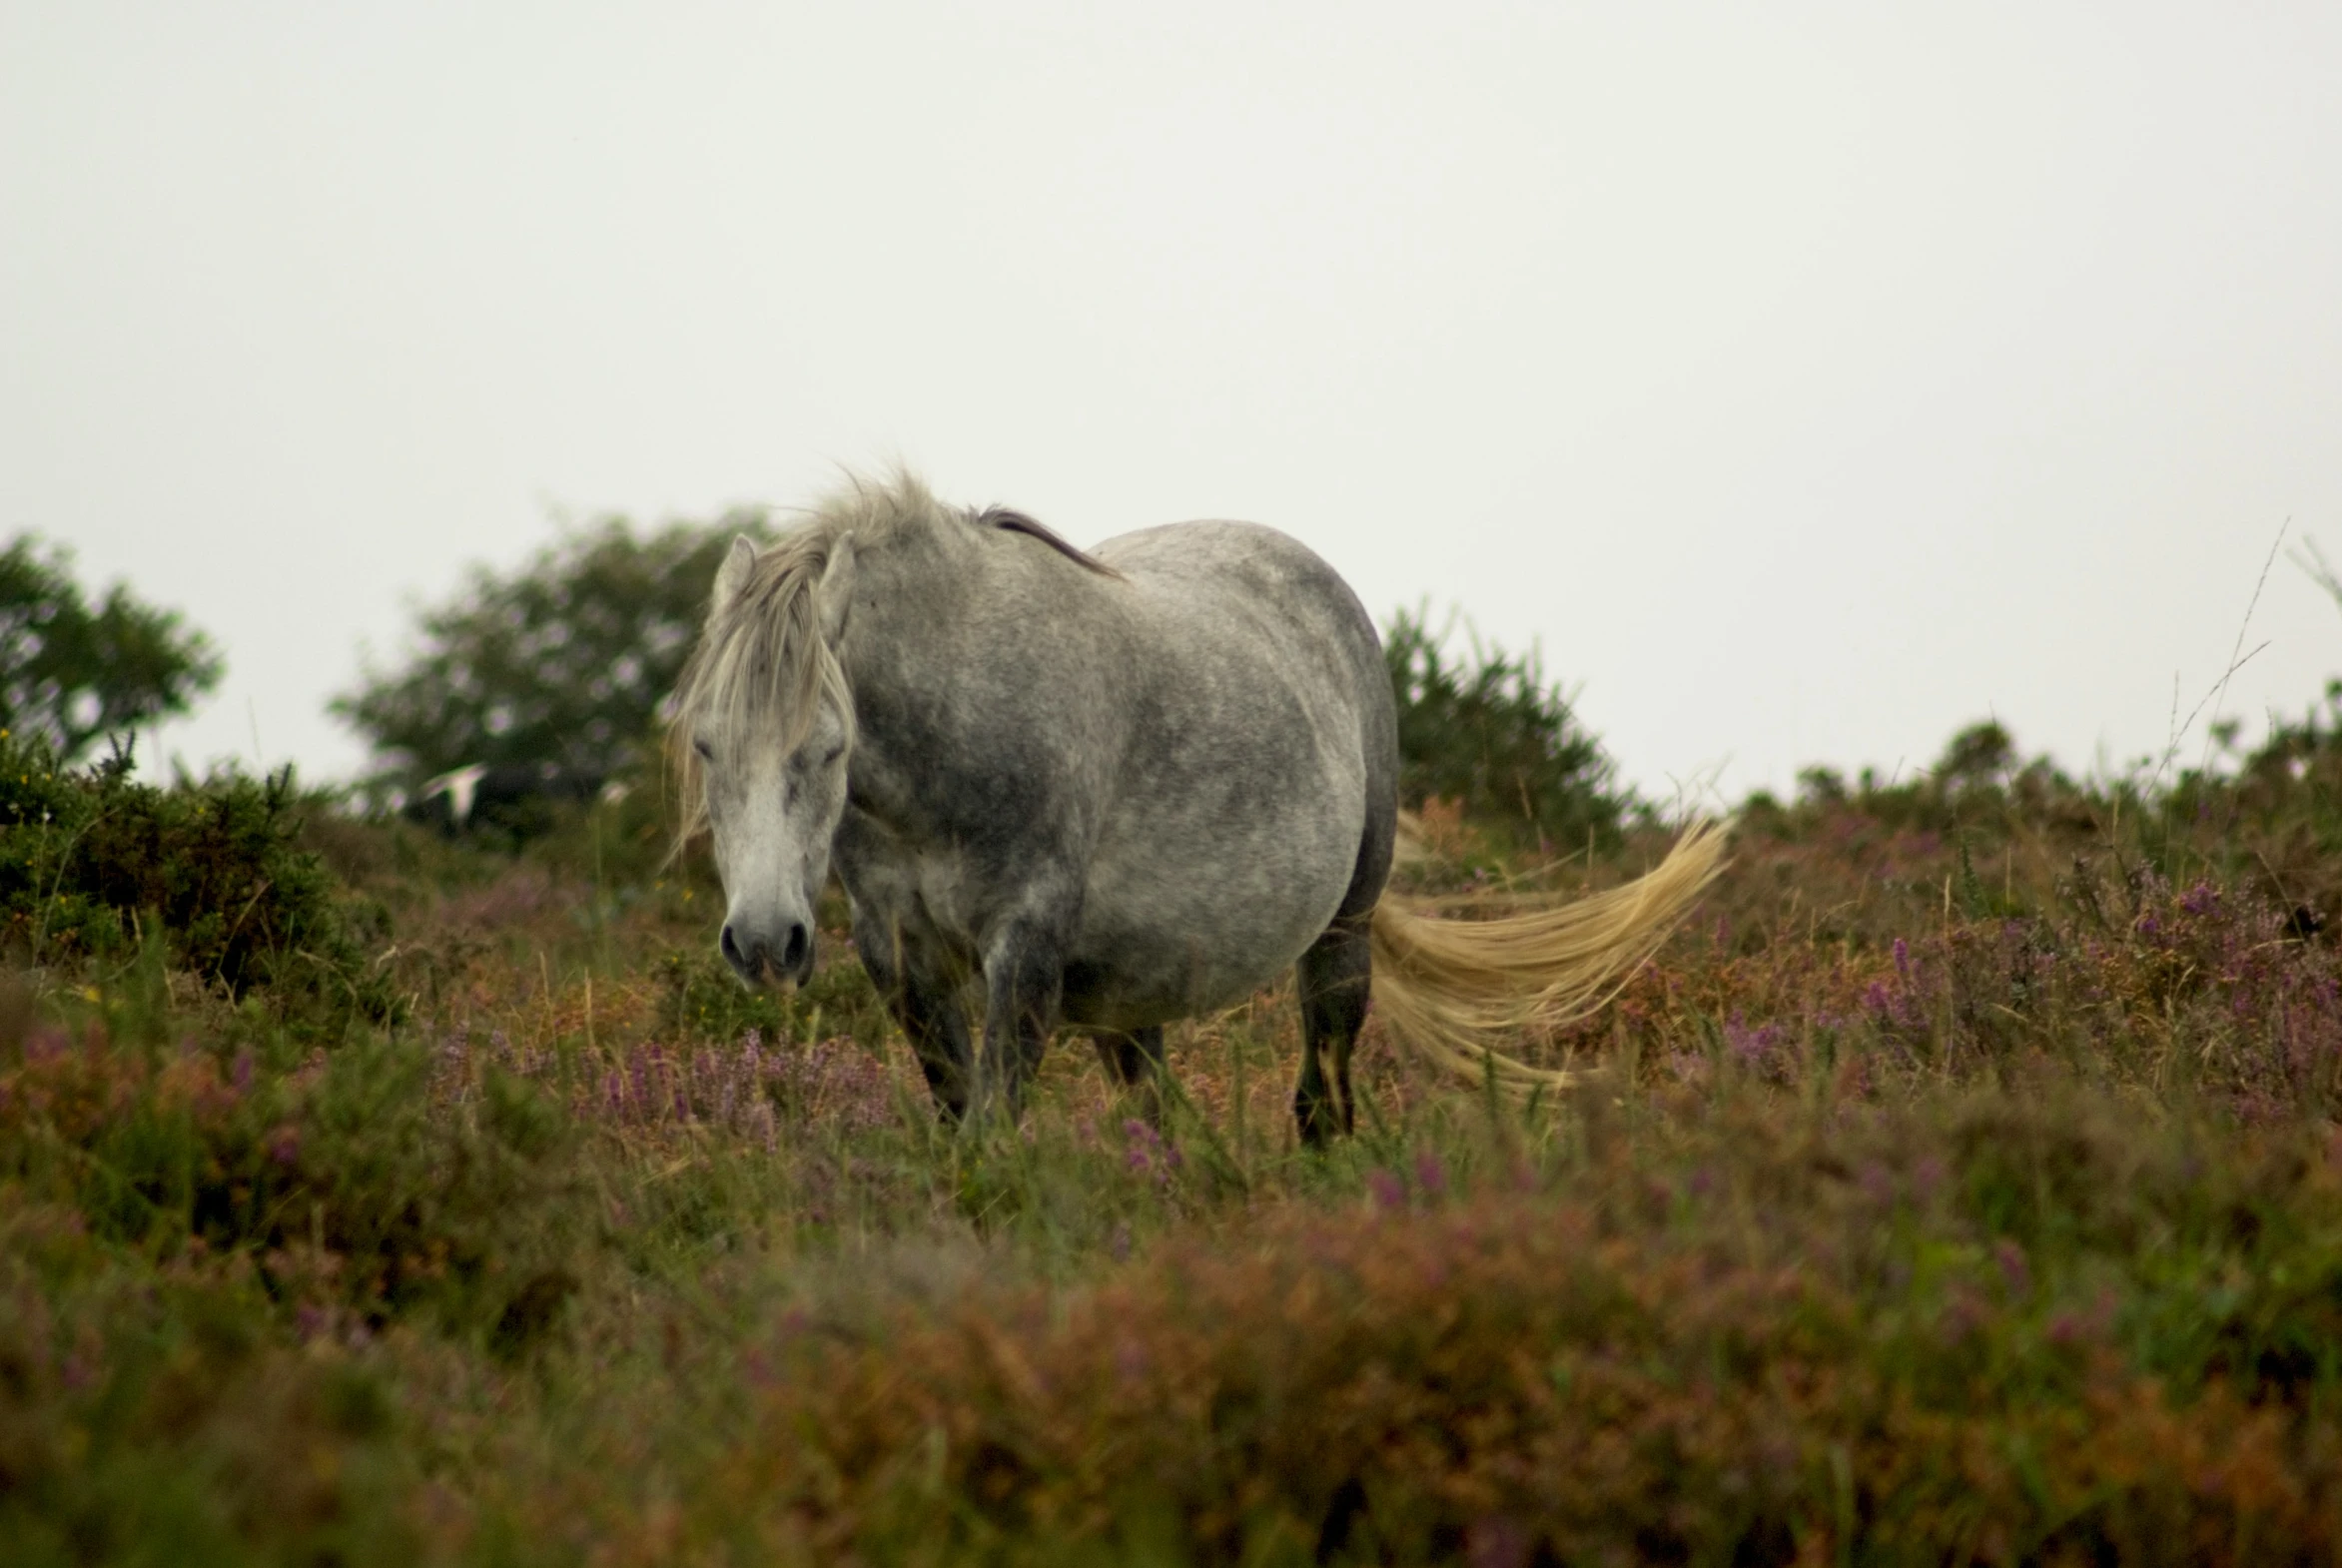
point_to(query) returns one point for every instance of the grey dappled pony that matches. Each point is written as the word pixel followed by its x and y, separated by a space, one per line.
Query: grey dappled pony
pixel 1103 789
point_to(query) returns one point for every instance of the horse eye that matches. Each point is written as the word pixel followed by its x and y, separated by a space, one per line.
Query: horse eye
pixel 707 753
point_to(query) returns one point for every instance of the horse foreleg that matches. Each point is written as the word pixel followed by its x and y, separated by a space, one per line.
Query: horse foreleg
pixel 1023 982
pixel 1135 1060
pixel 937 1031
pixel 1333 977
pixel 925 1003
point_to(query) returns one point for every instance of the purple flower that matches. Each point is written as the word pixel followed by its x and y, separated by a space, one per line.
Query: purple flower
pixel 1139 1142
pixel 1496 1543
pixel 1751 1047
pixel 1147 1152
pixel 2015 1270
pixel 1430 1175
pixel 1389 1191
pixel 1962 1318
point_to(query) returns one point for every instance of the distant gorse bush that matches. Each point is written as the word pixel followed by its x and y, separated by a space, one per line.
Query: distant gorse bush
pixel 1494 736
pixel 561 663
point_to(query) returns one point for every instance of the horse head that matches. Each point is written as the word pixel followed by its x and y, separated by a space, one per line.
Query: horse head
pixel 763 730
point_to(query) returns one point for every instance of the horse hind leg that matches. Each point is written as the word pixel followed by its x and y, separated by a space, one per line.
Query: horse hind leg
pixel 1335 978
pixel 1134 1060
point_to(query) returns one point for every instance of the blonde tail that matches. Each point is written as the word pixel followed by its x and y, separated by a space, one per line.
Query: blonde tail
pixel 1452 989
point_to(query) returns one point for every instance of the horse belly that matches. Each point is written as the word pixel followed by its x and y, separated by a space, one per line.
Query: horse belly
pixel 1192 919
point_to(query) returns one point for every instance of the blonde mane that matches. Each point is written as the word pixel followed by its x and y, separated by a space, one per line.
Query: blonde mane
pixel 763 666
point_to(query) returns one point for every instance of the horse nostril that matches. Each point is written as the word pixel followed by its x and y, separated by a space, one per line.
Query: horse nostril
pixel 731 949
pixel 793 952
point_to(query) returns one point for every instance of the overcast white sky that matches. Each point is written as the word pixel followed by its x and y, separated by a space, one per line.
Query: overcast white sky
pixel 1808 381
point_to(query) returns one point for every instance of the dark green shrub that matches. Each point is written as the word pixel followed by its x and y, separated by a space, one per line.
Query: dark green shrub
pixel 563 661
pixel 1496 737
pixel 87 859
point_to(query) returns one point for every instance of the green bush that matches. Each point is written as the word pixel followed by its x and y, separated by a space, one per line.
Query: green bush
pixel 1495 737
pixel 88 859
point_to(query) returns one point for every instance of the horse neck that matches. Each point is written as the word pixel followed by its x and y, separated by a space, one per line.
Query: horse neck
pixel 905 588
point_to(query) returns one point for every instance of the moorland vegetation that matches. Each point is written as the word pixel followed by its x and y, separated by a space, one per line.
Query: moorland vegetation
pixel 1962 1183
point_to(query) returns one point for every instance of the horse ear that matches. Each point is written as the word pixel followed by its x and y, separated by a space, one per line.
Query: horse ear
pixel 836 592
pixel 732 575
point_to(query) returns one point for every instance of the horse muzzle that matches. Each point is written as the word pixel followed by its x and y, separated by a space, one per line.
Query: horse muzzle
pixel 768 958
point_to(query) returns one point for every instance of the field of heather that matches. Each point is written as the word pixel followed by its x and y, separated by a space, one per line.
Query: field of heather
pixel 1962 1183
